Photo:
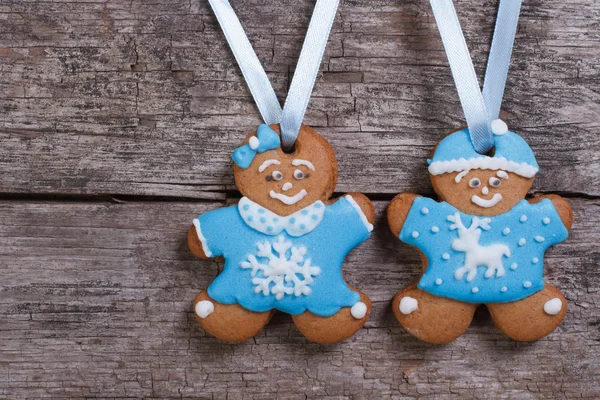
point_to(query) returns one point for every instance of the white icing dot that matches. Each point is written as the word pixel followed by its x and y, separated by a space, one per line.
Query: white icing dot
pixel 503 289
pixel 553 307
pixel 523 218
pixel 475 289
pixel 435 229
pixel 506 231
pixel 425 210
pixel 254 143
pixel 446 256
pixel 415 234
pixel 535 260
pixel 539 239
pixel 408 305
pixel 359 310
pixel 527 284
pixel 204 308
pixel 513 266
pixel 546 221
pixel 499 127
pixel 438 281
pixel 522 242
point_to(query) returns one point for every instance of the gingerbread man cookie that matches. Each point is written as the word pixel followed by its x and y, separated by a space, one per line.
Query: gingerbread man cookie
pixel 483 243
pixel 283 243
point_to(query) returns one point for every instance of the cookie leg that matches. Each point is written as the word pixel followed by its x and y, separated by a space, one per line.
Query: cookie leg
pixel 231 323
pixel 430 318
pixel 340 326
pixel 531 318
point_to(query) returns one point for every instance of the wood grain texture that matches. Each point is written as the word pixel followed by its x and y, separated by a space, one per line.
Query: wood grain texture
pixel 131 97
pixel 143 101
pixel 96 301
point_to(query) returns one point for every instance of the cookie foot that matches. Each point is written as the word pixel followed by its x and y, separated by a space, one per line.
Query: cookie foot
pixel 359 310
pixel 553 307
pixel 430 318
pixel 408 305
pixel 229 322
pixel 336 328
pixel 531 318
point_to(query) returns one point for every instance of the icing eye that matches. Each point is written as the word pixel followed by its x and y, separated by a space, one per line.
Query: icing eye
pixel 494 182
pixel 277 175
pixel 298 174
pixel 474 183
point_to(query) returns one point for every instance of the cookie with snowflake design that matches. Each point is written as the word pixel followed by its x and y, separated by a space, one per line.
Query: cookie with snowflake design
pixel 283 243
pixel 482 243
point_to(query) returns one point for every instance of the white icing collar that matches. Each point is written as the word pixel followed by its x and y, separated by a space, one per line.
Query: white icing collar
pixel 297 224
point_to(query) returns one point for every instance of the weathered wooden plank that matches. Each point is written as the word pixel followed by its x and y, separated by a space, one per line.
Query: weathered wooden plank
pixel 131 97
pixel 96 301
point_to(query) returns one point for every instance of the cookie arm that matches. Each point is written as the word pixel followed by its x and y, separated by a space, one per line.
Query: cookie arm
pixel 397 211
pixel 365 205
pixel 195 245
pixel 562 206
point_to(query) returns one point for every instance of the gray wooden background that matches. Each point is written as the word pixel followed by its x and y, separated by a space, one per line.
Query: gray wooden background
pixel 118 121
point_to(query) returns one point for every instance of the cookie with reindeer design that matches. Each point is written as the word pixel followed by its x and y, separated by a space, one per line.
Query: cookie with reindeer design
pixel 283 243
pixel 482 243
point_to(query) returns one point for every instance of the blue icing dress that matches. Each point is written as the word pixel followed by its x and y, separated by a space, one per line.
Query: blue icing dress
pixel 479 259
pixel 292 263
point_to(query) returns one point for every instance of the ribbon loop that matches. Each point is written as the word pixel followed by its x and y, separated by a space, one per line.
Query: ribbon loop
pixel 500 55
pixel 302 84
pixel 254 74
pixel 306 71
pixel 480 108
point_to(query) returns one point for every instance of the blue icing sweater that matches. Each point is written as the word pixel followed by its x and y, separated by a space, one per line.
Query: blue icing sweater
pixel 285 270
pixel 479 259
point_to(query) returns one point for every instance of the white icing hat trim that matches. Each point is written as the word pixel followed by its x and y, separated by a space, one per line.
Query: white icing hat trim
pixel 360 212
pixel 205 248
pixel 553 307
pixel 204 308
pixel 359 310
pixel 494 163
pixel 408 305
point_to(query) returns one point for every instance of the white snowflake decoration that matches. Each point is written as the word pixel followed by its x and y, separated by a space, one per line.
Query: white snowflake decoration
pixel 279 270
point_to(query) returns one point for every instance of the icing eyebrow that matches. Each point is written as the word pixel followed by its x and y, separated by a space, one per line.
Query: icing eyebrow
pixel 267 164
pixel 502 174
pixel 459 177
pixel 298 162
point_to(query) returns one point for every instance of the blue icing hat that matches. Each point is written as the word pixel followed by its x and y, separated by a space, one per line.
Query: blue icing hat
pixel 456 153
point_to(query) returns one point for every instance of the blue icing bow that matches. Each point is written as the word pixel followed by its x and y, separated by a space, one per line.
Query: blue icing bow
pixel 456 153
pixel 265 139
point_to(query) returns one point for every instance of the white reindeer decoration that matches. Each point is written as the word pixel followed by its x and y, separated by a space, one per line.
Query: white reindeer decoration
pixel 476 255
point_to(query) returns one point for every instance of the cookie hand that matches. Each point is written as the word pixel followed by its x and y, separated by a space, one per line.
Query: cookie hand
pixel 195 245
pixel 563 208
pixel 365 205
pixel 397 211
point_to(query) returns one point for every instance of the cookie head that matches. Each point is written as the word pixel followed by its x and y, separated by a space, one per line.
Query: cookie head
pixel 285 182
pixel 482 184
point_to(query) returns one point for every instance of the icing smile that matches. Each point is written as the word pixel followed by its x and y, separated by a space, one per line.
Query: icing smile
pixel 486 203
pixel 289 200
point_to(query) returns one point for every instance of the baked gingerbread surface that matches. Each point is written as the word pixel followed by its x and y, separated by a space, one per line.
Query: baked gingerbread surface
pixel 119 119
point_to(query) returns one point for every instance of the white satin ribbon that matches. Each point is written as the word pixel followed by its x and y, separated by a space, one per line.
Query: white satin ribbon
pixel 480 109
pixel 302 84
